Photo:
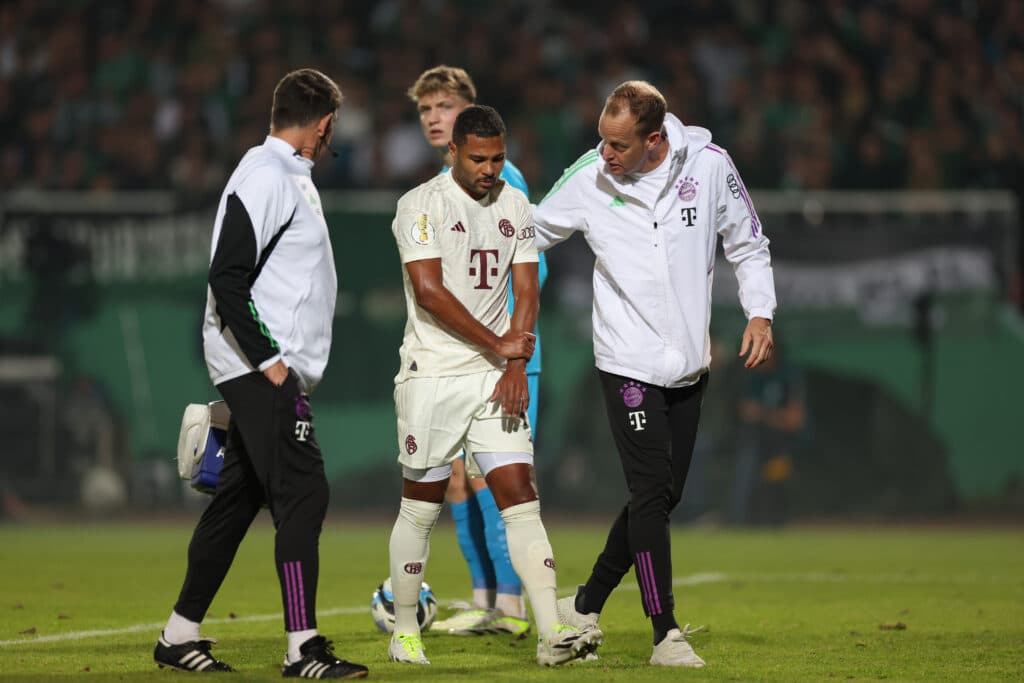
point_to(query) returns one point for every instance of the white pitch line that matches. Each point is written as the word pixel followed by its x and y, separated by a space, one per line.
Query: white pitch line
pixel 697 579
pixel 80 635
pixel 690 580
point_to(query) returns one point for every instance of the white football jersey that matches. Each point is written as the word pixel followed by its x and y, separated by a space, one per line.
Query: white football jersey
pixel 477 242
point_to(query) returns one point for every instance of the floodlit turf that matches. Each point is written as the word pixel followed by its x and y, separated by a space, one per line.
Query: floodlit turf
pixel 791 605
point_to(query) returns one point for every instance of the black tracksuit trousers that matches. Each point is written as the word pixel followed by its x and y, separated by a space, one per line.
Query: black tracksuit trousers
pixel 271 458
pixel 654 429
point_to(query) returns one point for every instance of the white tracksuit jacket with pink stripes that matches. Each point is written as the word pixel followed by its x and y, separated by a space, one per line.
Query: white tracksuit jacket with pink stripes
pixel 654 243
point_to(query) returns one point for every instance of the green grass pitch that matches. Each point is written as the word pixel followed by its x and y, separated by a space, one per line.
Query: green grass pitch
pixel 87 601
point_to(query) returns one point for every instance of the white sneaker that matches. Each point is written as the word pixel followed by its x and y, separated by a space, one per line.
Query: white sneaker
pixel 675 651
pixel 567 614
pixel 567 643
pixel 408 648
pixel 469 622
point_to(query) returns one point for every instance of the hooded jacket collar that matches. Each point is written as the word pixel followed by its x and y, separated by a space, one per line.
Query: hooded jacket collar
pixel 684 142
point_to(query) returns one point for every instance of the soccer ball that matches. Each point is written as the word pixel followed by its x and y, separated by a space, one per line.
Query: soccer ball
pixel 382 607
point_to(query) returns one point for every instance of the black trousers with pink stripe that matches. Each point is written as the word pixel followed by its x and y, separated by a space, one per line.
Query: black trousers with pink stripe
pixel 271 458
pixel 654 430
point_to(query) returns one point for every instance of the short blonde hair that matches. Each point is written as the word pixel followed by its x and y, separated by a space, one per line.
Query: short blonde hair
pixel 442 77
pixel 643 100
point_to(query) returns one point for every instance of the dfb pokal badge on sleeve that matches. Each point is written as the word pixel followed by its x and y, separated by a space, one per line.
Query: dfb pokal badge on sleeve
pixel 422 232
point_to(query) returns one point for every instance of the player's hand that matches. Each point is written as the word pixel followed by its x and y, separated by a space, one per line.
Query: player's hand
pixel 277 373
pixel 512 345
pixel 512 390
pixel 757 342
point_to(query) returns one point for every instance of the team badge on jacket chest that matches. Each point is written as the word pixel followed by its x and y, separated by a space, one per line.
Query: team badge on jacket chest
pixel 686 189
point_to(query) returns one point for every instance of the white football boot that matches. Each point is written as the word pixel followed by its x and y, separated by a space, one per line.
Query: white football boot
pixel 674 650
pixel 468 622
pixel 407 648
pixel 567 643
pixel 567 614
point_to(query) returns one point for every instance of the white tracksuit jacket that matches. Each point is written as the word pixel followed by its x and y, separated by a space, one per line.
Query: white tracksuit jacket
pixel 287 312
pixel 654 245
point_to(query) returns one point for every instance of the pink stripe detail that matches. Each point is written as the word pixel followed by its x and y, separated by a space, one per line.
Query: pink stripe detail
pixel 289 585
pixel 755 222
pixel 302 595
pixel 289 611
pixel 648 580
pixel 643 582
pixel 654 585
pixel 646 565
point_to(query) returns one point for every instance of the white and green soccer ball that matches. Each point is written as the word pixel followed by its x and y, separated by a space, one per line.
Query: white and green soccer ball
pixel 382 607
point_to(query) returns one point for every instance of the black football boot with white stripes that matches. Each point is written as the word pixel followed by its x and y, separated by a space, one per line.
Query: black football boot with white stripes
pixel 191 656
pixel 318 661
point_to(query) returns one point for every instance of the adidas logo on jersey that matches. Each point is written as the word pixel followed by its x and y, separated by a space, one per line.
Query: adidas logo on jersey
pixel 458 227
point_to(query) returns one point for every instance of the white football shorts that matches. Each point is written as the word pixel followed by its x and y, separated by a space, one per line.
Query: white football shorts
pixel 439 417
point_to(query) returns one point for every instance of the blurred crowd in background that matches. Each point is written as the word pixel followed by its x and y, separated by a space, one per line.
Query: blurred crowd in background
pixel 806 94
pixel 113 95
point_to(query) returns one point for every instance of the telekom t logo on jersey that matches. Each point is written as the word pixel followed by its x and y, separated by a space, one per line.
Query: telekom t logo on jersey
pixel 483 255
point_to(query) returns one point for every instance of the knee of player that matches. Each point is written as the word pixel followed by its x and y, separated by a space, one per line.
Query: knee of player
pixel 506 495
pixel 523 497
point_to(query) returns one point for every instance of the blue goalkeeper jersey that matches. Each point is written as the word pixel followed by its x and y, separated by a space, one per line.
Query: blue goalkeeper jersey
pixel 514 177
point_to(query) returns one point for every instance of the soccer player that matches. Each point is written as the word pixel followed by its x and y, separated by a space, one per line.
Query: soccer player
pixel 272 288
pixel 462 382
pixel 440 93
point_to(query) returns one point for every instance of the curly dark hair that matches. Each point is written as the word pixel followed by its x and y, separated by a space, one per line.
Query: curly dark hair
pixel 479 120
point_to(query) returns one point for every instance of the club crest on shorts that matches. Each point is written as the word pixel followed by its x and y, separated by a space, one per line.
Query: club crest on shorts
pixel 410 444
pixel 506 228
pixel 549 562
pixel 632 394
pixel 422 232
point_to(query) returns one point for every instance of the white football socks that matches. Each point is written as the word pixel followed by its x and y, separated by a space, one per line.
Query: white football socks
pixel 410 548
pixel 295 641
pixel 180 630
pixel 533 560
